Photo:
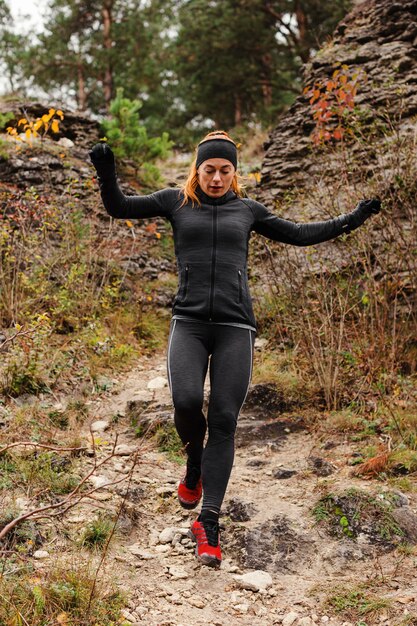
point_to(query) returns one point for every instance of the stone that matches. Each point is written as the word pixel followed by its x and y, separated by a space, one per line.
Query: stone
pixel 254 581
pixel 65 142
pixel 400 498
pixel 242 608
pixel 128 616
pixel 167 490
pixel 162 548
pixel 103 496
pixel 197 602
pixel 407 521
pixel 305 621
pixel 123 469
pixel 136 550
pixel 282 473
pixel 177 573
pixel 157 383
pixel 239 510
pixel 99 481
pixel 40 554
pixel 99 426
pixel 260 342
pixel 124 449
pixel 289 618
pixel 168 534
pixel 22 504
pixel 320 466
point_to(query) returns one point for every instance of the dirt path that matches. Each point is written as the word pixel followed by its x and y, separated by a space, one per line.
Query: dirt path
pixel 267 526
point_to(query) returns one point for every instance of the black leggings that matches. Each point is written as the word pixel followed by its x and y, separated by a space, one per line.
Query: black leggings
pixel 231 348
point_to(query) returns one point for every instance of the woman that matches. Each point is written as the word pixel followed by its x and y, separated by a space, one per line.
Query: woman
pixel 212 310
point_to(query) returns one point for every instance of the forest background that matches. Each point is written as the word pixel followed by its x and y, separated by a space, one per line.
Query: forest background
pixel 192 64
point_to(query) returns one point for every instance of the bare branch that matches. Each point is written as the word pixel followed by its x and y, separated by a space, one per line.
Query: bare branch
pixel 73 498
pixel 40 445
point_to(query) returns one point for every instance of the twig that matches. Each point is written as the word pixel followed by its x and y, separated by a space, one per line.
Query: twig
pixel 19 333
pixel 397 425
pixel 113 530
pixel 68 501
pixel 40 445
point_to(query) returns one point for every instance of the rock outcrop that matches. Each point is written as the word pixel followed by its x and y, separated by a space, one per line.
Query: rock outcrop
pixel 379 37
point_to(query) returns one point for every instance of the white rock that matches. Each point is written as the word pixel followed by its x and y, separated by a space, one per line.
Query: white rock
pixel 289 618
pixel 102 496
pixel 255 581
pixel 127 615
pixel 119 467
pixel 65 142
pixel 242 608
pixel 177 573
pixel 40 554
pixel 162 548
pixel 168 534
pixel 260 342
pixel 99 426
pixel 99 481
pixel 165 491
pixel 175 598
pixel 22 504
pixel 325 619
pixel 136 550
pixel 305 621
pixel 123 449
pixel 197 602
pixel 157 383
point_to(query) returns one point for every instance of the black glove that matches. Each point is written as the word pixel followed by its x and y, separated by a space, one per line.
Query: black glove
pixel 102 158
pixel 363 210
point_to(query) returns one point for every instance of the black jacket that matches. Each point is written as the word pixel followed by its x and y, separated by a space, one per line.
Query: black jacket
pixel 211 244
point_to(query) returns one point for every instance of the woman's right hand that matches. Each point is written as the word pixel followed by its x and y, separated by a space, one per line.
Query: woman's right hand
pixel 102 158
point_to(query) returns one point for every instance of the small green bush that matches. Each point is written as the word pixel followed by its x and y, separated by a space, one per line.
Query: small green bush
pixel 97 532
pixel 128 138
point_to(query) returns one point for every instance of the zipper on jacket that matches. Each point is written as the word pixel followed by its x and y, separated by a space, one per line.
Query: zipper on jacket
pixel 240 285
pixel 184 293
pixel 213 261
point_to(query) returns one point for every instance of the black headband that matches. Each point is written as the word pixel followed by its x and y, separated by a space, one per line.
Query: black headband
pixel 216 149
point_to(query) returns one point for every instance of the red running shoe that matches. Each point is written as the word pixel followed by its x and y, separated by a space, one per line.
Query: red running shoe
pixel 190 489
pixel 206 536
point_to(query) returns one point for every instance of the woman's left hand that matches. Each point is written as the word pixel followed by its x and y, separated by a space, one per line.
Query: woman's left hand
pixel 370 206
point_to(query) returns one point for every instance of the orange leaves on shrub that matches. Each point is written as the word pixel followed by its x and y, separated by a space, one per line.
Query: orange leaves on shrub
pixel 332 101
pixel 36 128
pixel 151 228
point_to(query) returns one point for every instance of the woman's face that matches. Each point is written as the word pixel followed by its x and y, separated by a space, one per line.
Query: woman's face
pixel 215 177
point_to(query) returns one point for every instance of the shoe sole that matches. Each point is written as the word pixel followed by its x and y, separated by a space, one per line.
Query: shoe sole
pixel 205 559
pixel 188 505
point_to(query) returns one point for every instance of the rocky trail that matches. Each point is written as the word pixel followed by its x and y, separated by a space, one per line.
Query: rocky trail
pixel 279 564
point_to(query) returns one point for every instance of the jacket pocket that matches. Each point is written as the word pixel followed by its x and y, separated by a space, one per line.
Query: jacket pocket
pixel 185 275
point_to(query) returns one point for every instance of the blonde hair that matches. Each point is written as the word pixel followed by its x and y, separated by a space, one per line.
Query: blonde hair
pixel 189 189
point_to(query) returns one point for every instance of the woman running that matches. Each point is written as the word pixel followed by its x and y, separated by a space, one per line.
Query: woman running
pixel 212 310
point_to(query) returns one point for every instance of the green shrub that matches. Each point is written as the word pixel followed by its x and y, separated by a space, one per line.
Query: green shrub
pixel 128 138
pixel 97 532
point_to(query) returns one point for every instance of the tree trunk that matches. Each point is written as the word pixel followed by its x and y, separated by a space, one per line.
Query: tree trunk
pixel 266 79
pixel 81 94
pixel 238 110
pixel 107 39
pixel 302 23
